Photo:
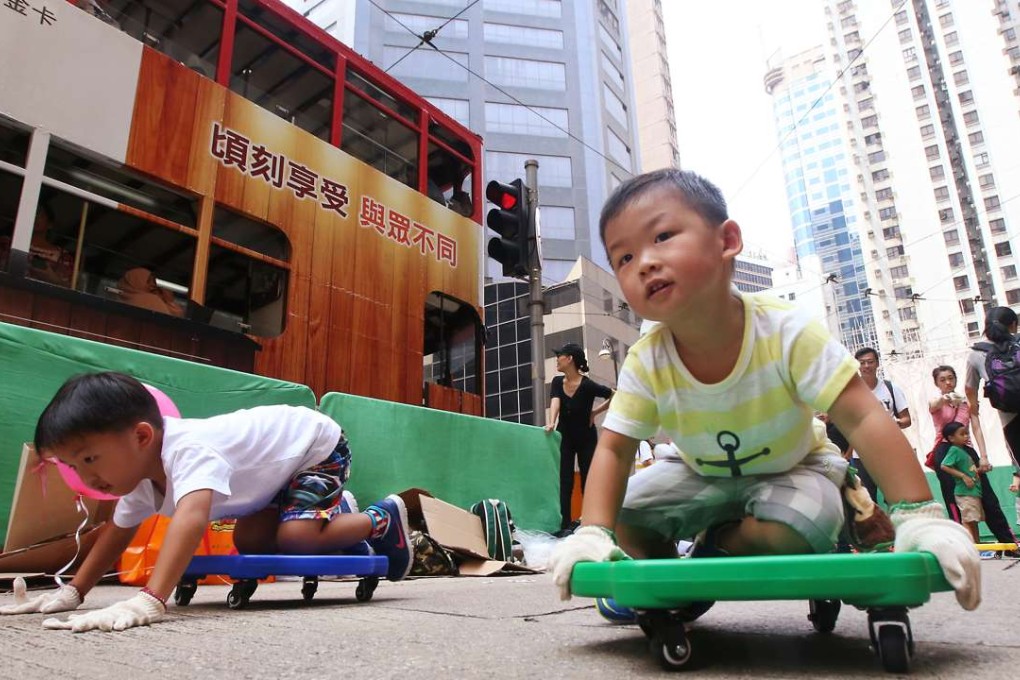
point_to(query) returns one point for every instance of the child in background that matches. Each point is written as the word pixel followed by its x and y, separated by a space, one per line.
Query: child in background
pixel 734 379
pixel 959 465
pixel 279 469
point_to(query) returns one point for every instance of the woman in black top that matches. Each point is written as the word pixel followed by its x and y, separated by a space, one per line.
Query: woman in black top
pixel 573 396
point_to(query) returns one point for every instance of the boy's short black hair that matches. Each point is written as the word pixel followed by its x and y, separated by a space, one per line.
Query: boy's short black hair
pixel 951 428
pixel 864 351
pixel 697 193
pixel 94 403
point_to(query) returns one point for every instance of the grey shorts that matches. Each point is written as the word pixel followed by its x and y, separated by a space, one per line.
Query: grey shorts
pixel 671 499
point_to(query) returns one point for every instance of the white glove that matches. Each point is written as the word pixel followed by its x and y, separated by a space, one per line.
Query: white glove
pixel 140 610
pixel 587 544
pixel 924 528
pixel 63 599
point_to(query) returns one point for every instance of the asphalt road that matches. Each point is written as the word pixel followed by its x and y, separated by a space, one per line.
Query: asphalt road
pixel 499 627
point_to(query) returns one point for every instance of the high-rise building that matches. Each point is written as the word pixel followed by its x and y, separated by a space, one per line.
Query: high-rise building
pixel 929 88
pixel 817 169
pixel 752 273
pixel 653 87
pixel 543 79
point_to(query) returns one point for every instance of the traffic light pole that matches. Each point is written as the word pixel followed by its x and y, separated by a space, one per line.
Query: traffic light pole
pixel 536 305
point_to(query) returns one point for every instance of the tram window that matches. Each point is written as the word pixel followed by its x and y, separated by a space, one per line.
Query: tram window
pixel 378 94
pixel 247 293
pixel 450 176
pixel 186 30
pixel 10 193
pixel 379 140
pixel 120 186
pixel 267 74
pixel 452 342
pixel 113 242
pixel 13 145
pixel 288 33
pixel 240 230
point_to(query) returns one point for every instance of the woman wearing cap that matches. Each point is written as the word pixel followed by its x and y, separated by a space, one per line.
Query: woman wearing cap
pixel 571 414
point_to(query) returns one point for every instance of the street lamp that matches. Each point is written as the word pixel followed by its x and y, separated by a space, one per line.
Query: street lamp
pixel 608 351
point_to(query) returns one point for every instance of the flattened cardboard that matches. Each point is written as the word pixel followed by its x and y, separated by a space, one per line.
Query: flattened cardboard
pixel 44 507
pixel 49 556
pixel 461 532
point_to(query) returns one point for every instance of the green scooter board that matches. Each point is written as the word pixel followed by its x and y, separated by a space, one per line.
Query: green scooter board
pixel 885 584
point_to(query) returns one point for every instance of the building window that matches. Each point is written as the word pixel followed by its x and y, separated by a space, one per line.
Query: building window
pixel 937 172
pixel 927 131
pixel 946 215
pixel 1013 296
pixel 421 23
pixel 976 138
pixel 917 91
pixel 887 213
pixel 997 226
pixel 967 306
pixel 869 121
pixel 923 112
pixel 952 237
pixel 539 121
pixel 876 157
pixel 986 181
pixel 961 282
pixel 536 8
pixel 880 175
pixel 955 58
pixel 981 160
pixel 967 97
pixel 523 35
pixel 618 150
pixel 1003 249
pixel 956 260
pixel 931 152
pixel 971 118
pixel 458 109
pixel 905 35
pixel 885 194
pixel 941 193
pixel 961 78
pixel 901 18
pixel 426 64
pixel 894 251
pixel 946 20
pixel 541 75
pixel 617 109
pixel 907 313
pixel 952 39
pixel 866 104
pixel 1009 272
pixel 914 73
pixel 992 203
pixel 557 222
pixel 556 170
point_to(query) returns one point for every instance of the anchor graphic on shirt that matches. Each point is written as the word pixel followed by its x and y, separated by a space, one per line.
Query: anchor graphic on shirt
pixel 730 447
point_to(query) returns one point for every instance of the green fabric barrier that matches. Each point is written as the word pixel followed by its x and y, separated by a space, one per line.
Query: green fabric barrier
pixel 33 365
pixel 459 459
pixel 1000 479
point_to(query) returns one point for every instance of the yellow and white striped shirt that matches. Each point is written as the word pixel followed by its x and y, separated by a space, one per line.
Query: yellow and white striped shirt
pixel 759 419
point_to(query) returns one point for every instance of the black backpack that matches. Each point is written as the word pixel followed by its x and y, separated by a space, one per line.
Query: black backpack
pixel 1002 368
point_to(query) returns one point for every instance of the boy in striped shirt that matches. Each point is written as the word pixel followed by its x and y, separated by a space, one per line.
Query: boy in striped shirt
pixel 734 379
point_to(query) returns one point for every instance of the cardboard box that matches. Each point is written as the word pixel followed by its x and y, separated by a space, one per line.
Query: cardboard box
pixel 461 532
pixel 44 519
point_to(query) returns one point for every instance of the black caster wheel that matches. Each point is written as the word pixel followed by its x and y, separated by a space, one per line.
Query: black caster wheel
pixel 236 598
pixel 366 588
pixel 308 588
pixel 893 649
pixel 672 653
pixel 184 592
pixel 646 626
pixel 824 614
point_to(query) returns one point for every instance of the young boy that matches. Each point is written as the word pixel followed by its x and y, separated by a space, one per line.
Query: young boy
pixel 279 469
pixel 734 380
pixel 967 489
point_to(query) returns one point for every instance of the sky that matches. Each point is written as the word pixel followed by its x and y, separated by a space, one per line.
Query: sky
pixel 725 130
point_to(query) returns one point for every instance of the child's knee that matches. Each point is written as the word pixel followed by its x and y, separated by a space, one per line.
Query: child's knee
pixel 762 537
pixel 642 543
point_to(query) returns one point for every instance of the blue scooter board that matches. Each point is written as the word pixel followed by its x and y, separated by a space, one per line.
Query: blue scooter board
pixel 885 584
pixel 246 570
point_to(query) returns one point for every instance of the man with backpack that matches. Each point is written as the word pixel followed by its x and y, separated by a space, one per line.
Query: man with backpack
pixel 891 397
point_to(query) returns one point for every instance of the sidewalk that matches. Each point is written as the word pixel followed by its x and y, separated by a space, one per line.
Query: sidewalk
pixel 506 627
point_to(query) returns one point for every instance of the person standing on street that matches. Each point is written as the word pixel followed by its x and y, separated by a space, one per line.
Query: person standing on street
pixel 892 399
pixel 571 414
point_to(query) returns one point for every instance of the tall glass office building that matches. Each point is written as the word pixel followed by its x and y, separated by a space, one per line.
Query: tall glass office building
pixel 817 170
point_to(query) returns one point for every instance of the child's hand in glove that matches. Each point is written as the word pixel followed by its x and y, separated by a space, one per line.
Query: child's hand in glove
pixel 587 544
pixel 63 599
pixel 140 610
pixel 923 527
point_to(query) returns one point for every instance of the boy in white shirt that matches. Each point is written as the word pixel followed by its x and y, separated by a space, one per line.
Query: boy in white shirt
pixel 279 469
pixel 734 380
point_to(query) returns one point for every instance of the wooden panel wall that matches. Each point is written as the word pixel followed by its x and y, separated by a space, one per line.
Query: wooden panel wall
pixel 355 305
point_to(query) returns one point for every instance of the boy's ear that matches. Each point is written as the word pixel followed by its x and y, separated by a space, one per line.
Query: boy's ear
pixel 732 238
pixel 144 433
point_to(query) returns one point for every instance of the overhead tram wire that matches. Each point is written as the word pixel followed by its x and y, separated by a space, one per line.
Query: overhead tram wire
pixel 423 39
pixel 432 34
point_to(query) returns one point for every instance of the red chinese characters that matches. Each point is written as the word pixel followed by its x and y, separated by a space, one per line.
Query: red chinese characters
pixel 402 230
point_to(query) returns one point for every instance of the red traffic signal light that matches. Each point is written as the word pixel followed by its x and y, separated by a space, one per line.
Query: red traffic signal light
pixel 506 196
pixel 511 220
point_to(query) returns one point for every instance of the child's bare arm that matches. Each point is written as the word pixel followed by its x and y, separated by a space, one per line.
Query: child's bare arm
pixel 607 479
pixel 182 538
pixel 113 540
pixel 883 449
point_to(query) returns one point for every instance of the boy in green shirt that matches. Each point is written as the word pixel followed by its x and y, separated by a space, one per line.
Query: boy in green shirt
pixel 959 464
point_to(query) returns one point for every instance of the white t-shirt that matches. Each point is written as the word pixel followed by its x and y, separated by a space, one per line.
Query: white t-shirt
pixel 881 392
pixel 245 457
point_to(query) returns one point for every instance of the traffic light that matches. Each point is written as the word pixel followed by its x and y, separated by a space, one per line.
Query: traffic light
pixel 511 221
